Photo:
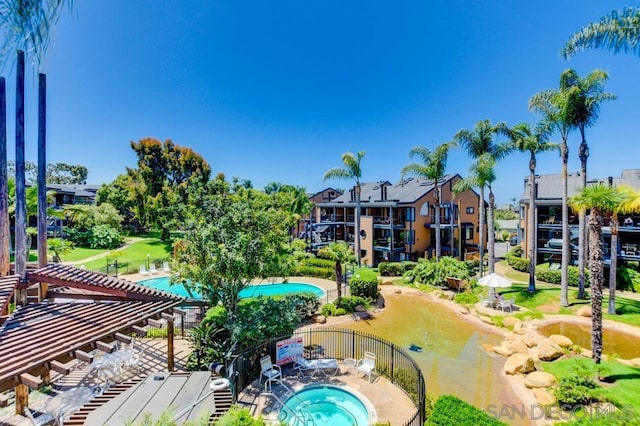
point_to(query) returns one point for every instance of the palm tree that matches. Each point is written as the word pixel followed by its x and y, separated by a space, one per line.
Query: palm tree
pixel 342 254
pixel 600 199
pixel 585 96
pixel 5 232
pixel 433 168
pixel 533 141
pixel 478 142
pixel 618 31
pixel 351 170
pixel 553 106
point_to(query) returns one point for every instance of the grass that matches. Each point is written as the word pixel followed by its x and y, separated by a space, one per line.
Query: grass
pixel 80 253
pixel 621 387
pixel 130 259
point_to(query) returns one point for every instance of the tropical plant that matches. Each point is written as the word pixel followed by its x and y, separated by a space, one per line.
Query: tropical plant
pixel 351 170
pixel 618 31
pixel 341 253
pixel 553 106
pixel 531 140
pixel 433 166
pixel 600 199
pixel 476 143
pixel 59 247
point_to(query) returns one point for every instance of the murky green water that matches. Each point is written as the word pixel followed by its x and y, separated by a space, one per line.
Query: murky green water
pixel 623 344
pixel 452 360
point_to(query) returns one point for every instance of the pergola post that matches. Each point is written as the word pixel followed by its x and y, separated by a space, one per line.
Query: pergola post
pixel 46 376
pixel 170 361
pixel 22 398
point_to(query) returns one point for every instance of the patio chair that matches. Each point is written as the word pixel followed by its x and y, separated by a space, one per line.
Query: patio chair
pixel 367 364
pixel 45 418
pixel 166 267
pixel 507 303
pixel 152 269
pixel 316 365
pixel 269 370
pixel 143 270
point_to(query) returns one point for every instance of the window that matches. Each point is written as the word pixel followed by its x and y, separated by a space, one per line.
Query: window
pixel 470 210
pixel 410 214
pixel 411 237
pixel 424 210
pixel 468 233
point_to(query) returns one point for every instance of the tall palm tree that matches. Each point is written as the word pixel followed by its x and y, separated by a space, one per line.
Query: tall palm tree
pixel 553 106
pixel 342 254
pixel 600 199
pixel 618 31
pixel 482 175
pixel 5 232
pixel 433 166
pixel 533 141
pixel 351 170
pixel 477 142
pixel 585 96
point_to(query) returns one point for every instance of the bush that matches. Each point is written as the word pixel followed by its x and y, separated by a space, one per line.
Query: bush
pixel 304 304
pixel 104 236
pixel 578 390
pixel 216 316
pixel 350 303
pixel 466 298
pixel 518 263
pixel 316 261
pixel 314 271
pixel 628 279
pixel 390 269
pixel 433 272
pixel 517 251
pixel 449 410
pixel 364 283
pixel 555 276
pixel 330 310
pixel 408 265
pixel 237 416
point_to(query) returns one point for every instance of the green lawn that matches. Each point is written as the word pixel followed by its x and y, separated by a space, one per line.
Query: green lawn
pixel 130 259
pixel 80 253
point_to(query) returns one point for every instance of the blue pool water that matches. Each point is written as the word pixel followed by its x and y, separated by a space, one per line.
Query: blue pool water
pixel 276 289
pixel 327 405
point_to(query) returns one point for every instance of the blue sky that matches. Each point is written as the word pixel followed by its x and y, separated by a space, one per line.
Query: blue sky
pixel 278 90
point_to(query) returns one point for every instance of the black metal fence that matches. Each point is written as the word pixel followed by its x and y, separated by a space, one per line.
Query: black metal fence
pixel 392 362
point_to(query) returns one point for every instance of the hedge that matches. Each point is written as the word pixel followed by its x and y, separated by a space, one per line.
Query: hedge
pixel 449 410
pixel 395 269
pixel 364 283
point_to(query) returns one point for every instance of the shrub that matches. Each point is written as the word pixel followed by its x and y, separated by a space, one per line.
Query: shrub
pixel 216 316
pixel 628 279
pixel 390 269
pixel 350 303
pixel 518 263
pixel 449 410
pixel 435 273
pixel 104 236
pixel 517 251
pixel 578 390
pixel 408 265
pixel 316 261
pixel 237 416
pixel 304 304
pixel 364 283
pixel 314 271
pixel 555 276
pixel 330 310
pixel 466 298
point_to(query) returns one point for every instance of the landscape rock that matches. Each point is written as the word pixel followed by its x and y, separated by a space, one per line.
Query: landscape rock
pixel 398 291
pixel 319 319
pixel 584 311
pixel 549 351
pixel 518 329
pixel 519 363
pixel 560 340
pixel 463 310
pixel 539 379
pixel 586 353
pixel 487 347
pixel 519 346
pixel 361 308
pixel 387 282
pixel 530 340
pixel 635 362
pixel 485 319
pixel 502 350
pixel 543 397
pixel 510 321
pixel 510 335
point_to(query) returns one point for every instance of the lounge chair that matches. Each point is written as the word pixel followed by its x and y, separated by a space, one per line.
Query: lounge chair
pixel 316 365
pixel 367 364
pixel 152 269
pixel 165 267
pixel 143 270
pixel 270 371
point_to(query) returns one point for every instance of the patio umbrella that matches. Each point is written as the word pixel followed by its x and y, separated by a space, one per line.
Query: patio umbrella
pixel 494 281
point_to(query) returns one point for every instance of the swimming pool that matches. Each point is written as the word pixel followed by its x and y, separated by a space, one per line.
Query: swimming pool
pixel 275 289
pixel 325 405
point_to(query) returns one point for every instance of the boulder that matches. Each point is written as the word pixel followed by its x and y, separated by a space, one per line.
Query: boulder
pixel 530 340
pixel 487 347
pixel 509 335
pixel 584 311
pixel 319 319
pixel 519 329
pixel 386 282
pixel 361 308
pixel 586 353
pixel 560 340
pixel 485 319
pixel 502 350
pixel 539 379
pixel 398 291
pixel 635 362
pixel 510 321
pixel 463 310
pixel 519 363
pixel 519 346
pixel 549 351
pixel 543 397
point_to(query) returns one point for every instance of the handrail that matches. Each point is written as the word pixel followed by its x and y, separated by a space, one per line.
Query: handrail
pixel 190 407
pixel 298 418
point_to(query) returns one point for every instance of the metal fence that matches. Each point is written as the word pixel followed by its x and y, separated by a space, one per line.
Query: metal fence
pixel 392 362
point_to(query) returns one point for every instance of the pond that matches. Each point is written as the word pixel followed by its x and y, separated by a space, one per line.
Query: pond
pixel 452 360
pixel 625 345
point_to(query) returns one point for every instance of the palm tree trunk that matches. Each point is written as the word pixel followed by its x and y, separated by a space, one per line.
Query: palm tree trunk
pixel 5 235
pixel 357 236
pixel 582 244
pixel 531 226
pixel 613 273
pixel 492 232
pixel 481 230
pixel 21 207
pixel 42 174
pixel 597 278
pixel 566 248
pixel 437 224
pixel 338 268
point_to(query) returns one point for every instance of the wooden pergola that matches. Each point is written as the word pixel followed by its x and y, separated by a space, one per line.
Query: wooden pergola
pixel 44 336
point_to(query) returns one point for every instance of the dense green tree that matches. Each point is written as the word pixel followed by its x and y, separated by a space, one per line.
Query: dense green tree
pixel 432 167
pixel 352 170
pixel 618 31
pixel 599 199
pixel 342 254
pixel 533 141
pixel 478 142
